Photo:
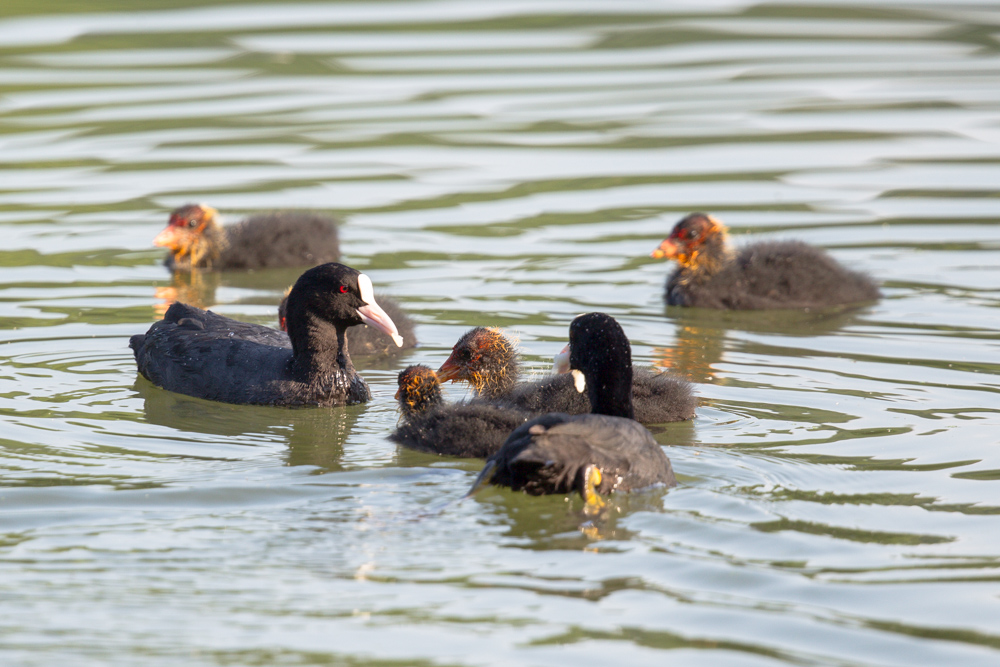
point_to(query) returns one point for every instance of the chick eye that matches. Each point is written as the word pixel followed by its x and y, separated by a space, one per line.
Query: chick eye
pixel 343 289
pixel 192 222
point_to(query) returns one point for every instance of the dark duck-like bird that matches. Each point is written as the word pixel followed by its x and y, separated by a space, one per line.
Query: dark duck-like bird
pixel 198 353
pixel 196 240
pixel 592 454
pixel 489 361
pixel 370 341
pixel 475 429
pixel 765 275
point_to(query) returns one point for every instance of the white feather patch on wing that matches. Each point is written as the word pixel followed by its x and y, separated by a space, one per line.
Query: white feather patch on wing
pixel 579 381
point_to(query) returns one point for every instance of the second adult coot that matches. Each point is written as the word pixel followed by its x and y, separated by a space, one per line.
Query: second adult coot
pixel 590 454
pixel 198 353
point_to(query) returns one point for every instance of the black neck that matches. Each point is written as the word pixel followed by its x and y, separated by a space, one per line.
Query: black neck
pixel 611 395
pixel 319 348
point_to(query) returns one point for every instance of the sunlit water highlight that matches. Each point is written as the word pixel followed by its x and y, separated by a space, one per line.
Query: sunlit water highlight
pixel 511 164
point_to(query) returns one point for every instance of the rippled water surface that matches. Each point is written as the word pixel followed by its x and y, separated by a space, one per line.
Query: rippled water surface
pixel 505 163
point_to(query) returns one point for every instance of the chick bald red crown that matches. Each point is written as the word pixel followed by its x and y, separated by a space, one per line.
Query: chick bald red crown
pixel 186 223
pixel 682 243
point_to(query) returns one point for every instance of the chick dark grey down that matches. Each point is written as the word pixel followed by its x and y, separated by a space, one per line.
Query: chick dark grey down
pixel 472 429
pixel 275 239
pixel 765 275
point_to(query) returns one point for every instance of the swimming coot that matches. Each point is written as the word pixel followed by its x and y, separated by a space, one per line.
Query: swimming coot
pixel 370 341
pixel 591 454
pixel 486 359
pixel 473 429
pixel 198 353
pixel 770 274
pixel 266 240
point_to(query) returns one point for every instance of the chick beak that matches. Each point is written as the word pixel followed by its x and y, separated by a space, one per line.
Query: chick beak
pixel 399 392
pixel 171 237
pixel 667 250
pixel 450 371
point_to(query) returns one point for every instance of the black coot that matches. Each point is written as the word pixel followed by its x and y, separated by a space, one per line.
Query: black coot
pixel 199 353
pixel 767 275
pixel 488 360
pixel 475 429
pixel 600 452
pixel 266 240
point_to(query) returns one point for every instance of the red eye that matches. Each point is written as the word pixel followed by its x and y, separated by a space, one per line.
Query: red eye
pixel 343 289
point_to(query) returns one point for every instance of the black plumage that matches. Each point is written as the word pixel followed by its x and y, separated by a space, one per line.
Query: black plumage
pixel 199 353
pixel 265 240
pixel 473 429
pixel 766 275
pixel 489 361
pixel 558 453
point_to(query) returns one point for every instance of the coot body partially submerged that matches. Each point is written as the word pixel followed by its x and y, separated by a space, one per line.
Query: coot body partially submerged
pixel 486 359
pixel 474 429
pixel 198 353
pixel 600 452
pixel 767 275
pixel 370 341
pixel 276 239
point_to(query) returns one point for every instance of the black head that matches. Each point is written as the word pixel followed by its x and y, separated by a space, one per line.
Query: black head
pixel 336 295
pixel 601 352
pixel 419 390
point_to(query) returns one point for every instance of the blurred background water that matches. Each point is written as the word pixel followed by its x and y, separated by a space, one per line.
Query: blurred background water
pixel 505 163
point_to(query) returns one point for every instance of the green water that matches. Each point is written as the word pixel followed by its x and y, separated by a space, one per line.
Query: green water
pixel 510 164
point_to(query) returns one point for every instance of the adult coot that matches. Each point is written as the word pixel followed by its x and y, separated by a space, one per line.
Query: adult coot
pixel 488 360
pixel 474 429
pixel 199 353
pixel 370 341
pixel 770 274
pixel 591 454
pixel 196 240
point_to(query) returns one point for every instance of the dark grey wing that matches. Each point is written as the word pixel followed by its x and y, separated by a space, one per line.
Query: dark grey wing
pixel 218 326
pixel 550 454
pixel 202 354
pixel 659 398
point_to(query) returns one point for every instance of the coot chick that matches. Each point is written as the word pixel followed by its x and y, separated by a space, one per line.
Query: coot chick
pixel 591 454
pixel 198 353
pixel 489 361
pixel 765 275
pixel 369 341
pixel 266 240
pixel 475 429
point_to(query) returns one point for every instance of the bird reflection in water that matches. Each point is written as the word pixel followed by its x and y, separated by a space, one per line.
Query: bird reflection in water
pixel 195 288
